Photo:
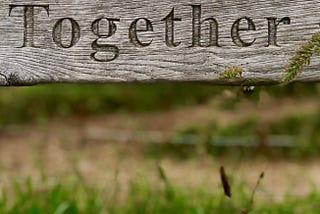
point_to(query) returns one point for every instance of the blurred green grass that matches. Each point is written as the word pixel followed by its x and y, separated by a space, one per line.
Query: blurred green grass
pixel 27 104
pixel 73 196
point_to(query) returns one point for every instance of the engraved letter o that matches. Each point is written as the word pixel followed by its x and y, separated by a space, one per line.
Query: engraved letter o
pixel 57 33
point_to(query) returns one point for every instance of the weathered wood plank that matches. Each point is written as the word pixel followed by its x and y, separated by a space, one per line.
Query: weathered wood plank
pixel 221 41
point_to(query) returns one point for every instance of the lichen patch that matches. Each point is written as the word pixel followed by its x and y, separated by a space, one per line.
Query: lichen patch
pixel 232 72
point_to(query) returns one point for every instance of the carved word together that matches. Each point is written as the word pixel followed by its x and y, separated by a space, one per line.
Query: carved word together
pixel 140 25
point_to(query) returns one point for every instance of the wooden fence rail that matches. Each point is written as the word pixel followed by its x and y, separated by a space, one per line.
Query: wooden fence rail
pixel 219 41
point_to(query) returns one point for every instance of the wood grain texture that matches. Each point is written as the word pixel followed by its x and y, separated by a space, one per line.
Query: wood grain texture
pixel 46 56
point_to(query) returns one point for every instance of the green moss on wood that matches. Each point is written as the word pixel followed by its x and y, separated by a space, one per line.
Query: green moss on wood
pixel 301 58
pixel 232 72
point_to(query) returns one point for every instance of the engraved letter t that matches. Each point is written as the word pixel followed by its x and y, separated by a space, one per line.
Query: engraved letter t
pixel 28 14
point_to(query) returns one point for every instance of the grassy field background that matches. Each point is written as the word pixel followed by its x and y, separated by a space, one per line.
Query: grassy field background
pixel 98 148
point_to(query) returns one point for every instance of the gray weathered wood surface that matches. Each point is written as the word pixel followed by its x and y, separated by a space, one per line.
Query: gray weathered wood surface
pixel 54 41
